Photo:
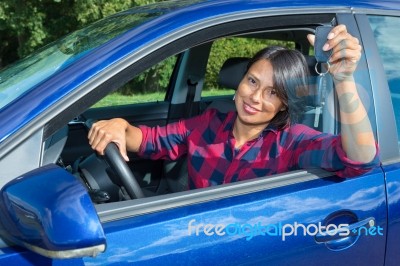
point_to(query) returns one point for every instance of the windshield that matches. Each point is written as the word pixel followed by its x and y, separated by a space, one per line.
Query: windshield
pixel 29 72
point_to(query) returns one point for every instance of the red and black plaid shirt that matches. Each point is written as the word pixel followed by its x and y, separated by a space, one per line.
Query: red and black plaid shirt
pixel 208 141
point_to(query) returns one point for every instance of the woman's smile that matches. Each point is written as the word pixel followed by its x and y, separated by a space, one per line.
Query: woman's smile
pixel 249 109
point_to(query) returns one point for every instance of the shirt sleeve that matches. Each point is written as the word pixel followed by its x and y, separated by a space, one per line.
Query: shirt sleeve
pixel 170 141
pixel 314 149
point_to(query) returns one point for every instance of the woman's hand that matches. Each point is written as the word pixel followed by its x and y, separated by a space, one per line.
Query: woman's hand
pixel 357 137
pixel 103 132
pixel 346 52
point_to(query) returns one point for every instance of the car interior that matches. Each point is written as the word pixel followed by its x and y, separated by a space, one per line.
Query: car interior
pixel 68 147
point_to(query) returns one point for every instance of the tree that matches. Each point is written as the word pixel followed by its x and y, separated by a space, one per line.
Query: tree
pixel 26 25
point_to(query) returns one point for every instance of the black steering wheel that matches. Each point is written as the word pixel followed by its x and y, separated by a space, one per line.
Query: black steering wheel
pixel 121 168
pixel 117 163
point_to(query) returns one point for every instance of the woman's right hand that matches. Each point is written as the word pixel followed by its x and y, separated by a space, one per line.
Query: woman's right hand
pixel 105 131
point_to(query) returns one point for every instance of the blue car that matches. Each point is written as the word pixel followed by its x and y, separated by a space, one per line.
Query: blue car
pixel 63 204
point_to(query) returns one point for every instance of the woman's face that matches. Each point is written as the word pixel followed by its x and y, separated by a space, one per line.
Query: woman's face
pixel 256 100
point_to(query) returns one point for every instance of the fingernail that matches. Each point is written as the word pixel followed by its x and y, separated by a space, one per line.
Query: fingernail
pixel 330 35
pixel 325 47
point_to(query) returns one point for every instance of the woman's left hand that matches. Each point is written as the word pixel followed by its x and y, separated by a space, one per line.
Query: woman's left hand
pixel 346 52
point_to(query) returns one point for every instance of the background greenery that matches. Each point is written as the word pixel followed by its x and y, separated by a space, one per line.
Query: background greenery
pixel 26 25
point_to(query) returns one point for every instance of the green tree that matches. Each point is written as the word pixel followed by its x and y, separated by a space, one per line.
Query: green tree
pixel 224 48
pixel 26 25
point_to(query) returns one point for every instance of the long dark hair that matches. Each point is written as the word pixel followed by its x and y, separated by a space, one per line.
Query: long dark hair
pixel 290 81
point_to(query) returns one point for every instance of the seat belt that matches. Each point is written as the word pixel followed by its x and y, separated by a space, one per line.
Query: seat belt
pixel 192 85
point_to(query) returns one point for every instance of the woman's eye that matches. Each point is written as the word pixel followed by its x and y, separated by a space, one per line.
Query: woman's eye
pixel 269 92
pixel 251 80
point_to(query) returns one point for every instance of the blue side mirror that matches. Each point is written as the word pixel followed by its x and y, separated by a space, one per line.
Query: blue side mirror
pixel 49 211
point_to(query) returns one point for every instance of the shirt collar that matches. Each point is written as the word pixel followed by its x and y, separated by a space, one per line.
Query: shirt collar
pixel 231 120
pixel 271 128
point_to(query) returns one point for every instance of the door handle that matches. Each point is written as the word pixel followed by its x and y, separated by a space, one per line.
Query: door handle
pixel 343 231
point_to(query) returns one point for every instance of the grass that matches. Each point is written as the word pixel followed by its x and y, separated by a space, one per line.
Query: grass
pixel 116 99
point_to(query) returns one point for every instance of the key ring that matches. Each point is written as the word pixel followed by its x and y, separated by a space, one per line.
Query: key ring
pixel 322 73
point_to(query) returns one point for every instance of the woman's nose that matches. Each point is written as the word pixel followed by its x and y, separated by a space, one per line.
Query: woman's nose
pixel 256 95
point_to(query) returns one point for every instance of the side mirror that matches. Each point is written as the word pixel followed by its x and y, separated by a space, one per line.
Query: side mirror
pixel 49 211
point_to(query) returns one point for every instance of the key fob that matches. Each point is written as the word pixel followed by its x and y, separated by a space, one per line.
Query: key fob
pixel 321 34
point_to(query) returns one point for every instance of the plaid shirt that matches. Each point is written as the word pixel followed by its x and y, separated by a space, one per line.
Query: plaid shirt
pixel 208 141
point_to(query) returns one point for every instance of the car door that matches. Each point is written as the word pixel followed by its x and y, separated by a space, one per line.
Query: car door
pixel 278 220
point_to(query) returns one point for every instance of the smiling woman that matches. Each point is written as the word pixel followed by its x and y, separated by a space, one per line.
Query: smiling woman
pixel 263 131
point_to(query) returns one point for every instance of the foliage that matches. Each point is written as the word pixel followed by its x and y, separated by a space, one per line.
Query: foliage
pixel 154 79
pixel 26 25
pixel 239 47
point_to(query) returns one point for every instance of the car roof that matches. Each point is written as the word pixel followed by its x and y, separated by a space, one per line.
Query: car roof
pixel 174 15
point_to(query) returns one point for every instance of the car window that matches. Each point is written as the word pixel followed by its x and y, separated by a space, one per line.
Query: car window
pixel 149 86
pixel 386 31
pixel 238 47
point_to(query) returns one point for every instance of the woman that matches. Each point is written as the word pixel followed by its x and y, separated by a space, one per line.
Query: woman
pixel 261 138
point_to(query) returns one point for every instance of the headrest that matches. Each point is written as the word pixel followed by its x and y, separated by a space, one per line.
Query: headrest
pixel 232 72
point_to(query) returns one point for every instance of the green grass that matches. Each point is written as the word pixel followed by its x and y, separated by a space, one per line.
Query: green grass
pixel 116 99
pixel 216 92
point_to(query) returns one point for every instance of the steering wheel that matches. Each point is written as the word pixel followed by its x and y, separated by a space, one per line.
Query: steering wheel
pixel 117 163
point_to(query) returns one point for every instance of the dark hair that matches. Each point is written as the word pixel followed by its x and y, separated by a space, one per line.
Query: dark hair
pixel 290 81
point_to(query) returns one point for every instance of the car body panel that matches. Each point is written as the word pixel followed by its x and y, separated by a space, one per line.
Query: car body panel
pixel 392 177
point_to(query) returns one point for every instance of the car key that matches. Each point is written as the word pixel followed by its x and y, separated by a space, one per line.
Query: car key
pixel 322 57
